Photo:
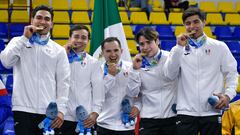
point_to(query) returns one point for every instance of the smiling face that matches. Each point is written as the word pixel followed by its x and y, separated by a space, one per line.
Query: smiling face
pixel 52 110
pixel 42 19
pixel 81 113
pixel 112 51
pixel 150 48
pixel 79 39
pixel 194 23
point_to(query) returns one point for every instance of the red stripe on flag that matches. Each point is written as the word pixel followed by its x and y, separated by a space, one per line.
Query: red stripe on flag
pixel 137 125
pixel 3 92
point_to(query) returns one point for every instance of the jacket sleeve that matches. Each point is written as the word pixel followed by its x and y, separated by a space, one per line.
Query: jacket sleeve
pixel 11 54
pixel 227 122
pixel 137 102
pixel 172 66
pixel 229 70
pixel 134 83
pixel 98 94
pixel 62 81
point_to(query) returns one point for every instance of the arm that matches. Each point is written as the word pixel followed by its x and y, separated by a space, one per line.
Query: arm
pixel 62 87
pixel 98 95
pixel 172 66
pixel 62 81
pixel 11 54
pixel 229 70
pixel 134 84
pixel 137 106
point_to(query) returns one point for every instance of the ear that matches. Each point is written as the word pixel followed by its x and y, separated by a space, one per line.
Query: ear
pixel 31 20
pixel 51 25
pixel 204 23
pixel 121 50
pixel 157 42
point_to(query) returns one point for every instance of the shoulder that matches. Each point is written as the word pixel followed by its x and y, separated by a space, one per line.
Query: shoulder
pixel 165 53
pixel 126 63
pixel 56 47
pixel 217 44
pixel 91 58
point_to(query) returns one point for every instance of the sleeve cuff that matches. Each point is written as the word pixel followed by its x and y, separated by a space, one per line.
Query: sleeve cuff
pixel 96 109
pixel 230 93
pixel 62 110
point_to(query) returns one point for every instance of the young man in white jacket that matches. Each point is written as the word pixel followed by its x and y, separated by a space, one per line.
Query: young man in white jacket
pixel 41 73
pixel 202 64
pixel 116 74
pixel 86 85
pixel 158 93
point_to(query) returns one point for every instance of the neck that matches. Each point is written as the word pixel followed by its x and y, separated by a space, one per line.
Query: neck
pixel 78 50
pixel 154 54
pixel 198 36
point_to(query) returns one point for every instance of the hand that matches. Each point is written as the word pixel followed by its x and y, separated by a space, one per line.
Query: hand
pixel 182 39
pixel 112 69
pixel 58 121
pixel 91 120
pixel 134 112
pixel 137 62
pixel 68 47
pixel 29 30
pixel 223 101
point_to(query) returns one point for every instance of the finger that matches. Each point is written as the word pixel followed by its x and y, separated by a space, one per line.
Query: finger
pixel 57 123
pixel 32 29
pixel 220 104
pixel 132 114
pixel 88 123
pixel 54 124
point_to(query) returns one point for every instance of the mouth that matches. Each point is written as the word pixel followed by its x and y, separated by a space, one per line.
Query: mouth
pixel 77 45
pixel 111 61
pixel 143 54
pixel 191 33
pixel 40 29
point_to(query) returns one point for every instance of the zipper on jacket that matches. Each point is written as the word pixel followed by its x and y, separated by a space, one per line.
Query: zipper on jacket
pixel 197 80
pixel 38 76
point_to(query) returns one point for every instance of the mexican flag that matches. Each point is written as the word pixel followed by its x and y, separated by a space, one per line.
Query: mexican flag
pixel 107 23
pixel 3 90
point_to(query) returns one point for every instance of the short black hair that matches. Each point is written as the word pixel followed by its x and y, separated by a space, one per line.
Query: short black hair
pixel 147 32
pixel 42 7
pixel 79 27
pixel 110 39
pixel 193 11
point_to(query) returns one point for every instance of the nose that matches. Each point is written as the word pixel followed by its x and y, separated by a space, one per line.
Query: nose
pixel 144 46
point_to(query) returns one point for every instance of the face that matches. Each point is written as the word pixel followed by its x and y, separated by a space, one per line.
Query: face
pixel 112 52
pixel 81 113
pixel 51 113
pixel 79 39
pixel 150 48
pixel 44 19
pixel 194 23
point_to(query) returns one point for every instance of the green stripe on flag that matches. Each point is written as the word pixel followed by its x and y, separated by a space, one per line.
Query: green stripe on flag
pixel 105 14
pixel 105 18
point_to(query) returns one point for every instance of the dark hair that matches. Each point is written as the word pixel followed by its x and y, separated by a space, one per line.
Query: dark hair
pixel 42 7
pixel 149 33
pixel 193 11
pixel 79 27
pixel 110 39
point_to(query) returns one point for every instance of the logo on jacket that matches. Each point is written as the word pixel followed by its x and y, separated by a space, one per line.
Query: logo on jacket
pixel 207 51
